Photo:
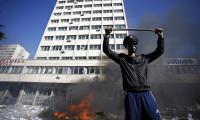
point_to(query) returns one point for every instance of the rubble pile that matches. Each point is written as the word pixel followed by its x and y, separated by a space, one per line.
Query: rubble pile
pixel 20 112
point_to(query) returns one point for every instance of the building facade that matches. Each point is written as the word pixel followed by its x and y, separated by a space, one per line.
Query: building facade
pixel 76 29
pixel 13 52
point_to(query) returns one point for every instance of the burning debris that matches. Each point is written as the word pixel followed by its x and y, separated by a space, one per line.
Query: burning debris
pixel 80 111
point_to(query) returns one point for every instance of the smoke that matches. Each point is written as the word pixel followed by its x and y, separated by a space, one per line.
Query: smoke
pixel 107 93
pixel 181 31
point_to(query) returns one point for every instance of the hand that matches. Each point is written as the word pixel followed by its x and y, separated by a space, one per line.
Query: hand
pixel 108 31
pixel 158 31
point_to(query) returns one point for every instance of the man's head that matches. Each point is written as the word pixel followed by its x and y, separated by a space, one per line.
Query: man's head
pixel 130 43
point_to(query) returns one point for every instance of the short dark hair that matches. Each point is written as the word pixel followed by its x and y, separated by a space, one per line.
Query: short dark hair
pixel 130 39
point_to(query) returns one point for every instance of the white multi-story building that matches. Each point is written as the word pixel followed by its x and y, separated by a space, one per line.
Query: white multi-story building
pixel 76 29
pixel 13 52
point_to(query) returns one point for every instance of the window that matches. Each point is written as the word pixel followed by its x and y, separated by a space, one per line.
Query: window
pixel 59 7
pixel 70 1
pixel 120 26
pixel 86 12
pixel 94 57
pixel 80 58
pixel 87 6
pixel 107 5
pixel 73 28
pixel 48 37
pixel 83 37
pixel 62 28
pixel 64 20
pixel 56 48
pixel 112 46
pixel 4 69
pixel 15 69
pixel 108 18
pixel 96 19
pixel 57 14
pixel 41 58
pixel 79 0
pixel 95 47
pixel 55 21
pixel 60 37
pixel 61 2
pixel 107 26
pixel 96 27
pixel 120 46
pixel 67 70
pixel 120 35
pixel 69 47
pixel 118 11
pixel 67 58
pixel 84 28
pixel 119 18
pixel 86 19
pixel 71 37
pixel 51 28
pixel 77 12
pixel 96 36
pixel 97 5
pixel 66 13
pixel 81 47
pixel 75 19
pixel 117 4
pixel 107 11
pixel 68 7
pixel 94 70
pixel 45 48
pixel 97 11
pixel 78 6
pixel 50 70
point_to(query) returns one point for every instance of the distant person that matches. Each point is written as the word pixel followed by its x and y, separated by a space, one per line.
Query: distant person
pixel 139 101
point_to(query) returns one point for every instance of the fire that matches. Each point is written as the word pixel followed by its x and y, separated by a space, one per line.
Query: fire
pixel 80 111
pixel 61 116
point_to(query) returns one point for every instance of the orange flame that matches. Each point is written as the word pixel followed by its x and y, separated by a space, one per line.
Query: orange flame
pixel 61 116
pixel 81 111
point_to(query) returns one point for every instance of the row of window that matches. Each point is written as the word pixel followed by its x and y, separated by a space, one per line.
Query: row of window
pixel 78 47
pixel 93 27
pixel 69 58
pixel 83 69
pixel 87 19
pixel 50 70
pixel 182 69
pixel 89 6
pixel 82 37
pixel 88 12
pixel 75 1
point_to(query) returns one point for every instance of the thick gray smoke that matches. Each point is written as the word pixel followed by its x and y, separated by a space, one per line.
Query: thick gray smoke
pixel 181 30
pixel 108 94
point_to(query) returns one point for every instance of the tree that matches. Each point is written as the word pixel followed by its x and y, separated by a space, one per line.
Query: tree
pixel 2 35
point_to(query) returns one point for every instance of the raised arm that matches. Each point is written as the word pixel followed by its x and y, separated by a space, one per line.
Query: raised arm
pixel 160 46
pixel 106 48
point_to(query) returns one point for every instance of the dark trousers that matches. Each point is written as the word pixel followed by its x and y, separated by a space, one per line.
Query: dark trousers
pixel 141 106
